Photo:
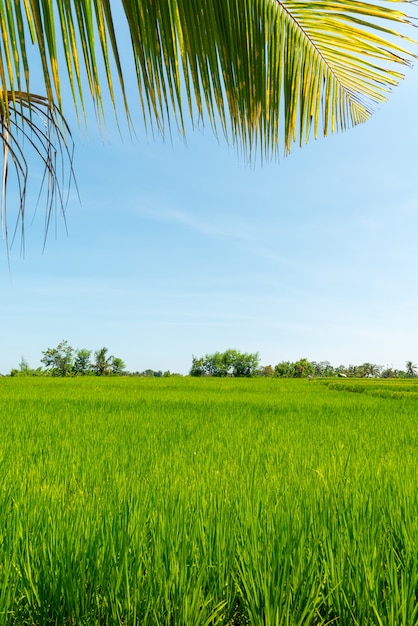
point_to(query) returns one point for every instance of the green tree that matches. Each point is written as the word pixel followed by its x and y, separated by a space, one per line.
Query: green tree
pixel 82 365
pixel 411 369
pixel 284 369
pixel 341 370
pixel 59 361
pixel 228 363
pixel 354 371
pixel 303 368
pixel 266 371
pixel 106 365
pixel 370 370
pixel 198 367
pixel 148 373
pixel 117 366
pixel 389 372
pixel 323 368
pixel 244 364
pixel 267 73
pixel 218 364
pixel 102 363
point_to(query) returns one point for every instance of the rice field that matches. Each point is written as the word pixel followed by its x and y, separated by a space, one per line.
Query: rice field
pixel 195 502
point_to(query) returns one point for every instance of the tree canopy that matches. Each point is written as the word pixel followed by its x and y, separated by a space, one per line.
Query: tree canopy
pixel 266 73
pixel 228 363
pixel 65 361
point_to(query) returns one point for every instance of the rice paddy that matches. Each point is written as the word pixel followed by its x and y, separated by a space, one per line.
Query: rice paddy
pixel 195 502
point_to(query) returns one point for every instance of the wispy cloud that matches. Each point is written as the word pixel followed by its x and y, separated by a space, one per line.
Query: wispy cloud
pixel 216 225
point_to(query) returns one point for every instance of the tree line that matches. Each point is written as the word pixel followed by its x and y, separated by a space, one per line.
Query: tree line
pixel 233 363
pixel 64 360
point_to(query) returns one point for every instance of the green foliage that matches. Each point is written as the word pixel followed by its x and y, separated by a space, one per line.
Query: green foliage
pixel 106 365
pixel 299 369
pixel 267 371
pixel 235 60
pixel 117 366
pixel 229 363
pixel 323 368
pixel 285 369
pixel 59 361
pixel 149 372
pixel 303 368
pixel 265 73
pixel 65 361
pixel 410 369
pixel 25 370
pixel 102 363
pixel 82 365
pixel 198 368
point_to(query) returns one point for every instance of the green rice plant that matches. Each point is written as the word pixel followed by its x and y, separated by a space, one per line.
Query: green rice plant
pixel 193 501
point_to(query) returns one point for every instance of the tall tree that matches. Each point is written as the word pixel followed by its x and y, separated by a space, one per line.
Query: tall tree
pixel 411 369
pixel 82 363
pixel 370 370
pixel 265 72
pixel 117 365
pixel 102 363
pixel 59 361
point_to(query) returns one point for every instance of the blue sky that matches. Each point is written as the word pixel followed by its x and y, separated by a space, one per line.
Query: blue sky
pixel 178 249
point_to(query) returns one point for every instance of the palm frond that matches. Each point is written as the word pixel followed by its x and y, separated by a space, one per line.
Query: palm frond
pixel 267 73
pixel 32 123
pixel 246 61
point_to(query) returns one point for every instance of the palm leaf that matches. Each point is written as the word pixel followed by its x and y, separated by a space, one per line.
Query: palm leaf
pixel 267 73
pixel 33 124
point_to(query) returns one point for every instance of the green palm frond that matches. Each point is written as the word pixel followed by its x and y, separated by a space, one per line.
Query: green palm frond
pixel 266 72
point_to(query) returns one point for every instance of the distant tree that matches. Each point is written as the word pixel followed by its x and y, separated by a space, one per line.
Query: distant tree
pixel 102 364
pixel 323 368
pixel 198 367
pixel 117 366
pixel 354 371
pixel 287 369
pixel 25 370
pixel 82 365
pixel 150 373
pixel 340 369
pixel 218 364
pixel 370 370
pixel 228 363
pixel 284 369
pixel 389 372
pixel 266 371
pixel 24 366
pixel 244 364
pixel 411 369
pixel 59 361
pixel 303 367
pixel 154 373
pixel 107 365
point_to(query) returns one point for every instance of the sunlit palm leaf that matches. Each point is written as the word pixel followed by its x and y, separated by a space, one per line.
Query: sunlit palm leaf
pixel 267 72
